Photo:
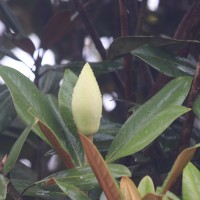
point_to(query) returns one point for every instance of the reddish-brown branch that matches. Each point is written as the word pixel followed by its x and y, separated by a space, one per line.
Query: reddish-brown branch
pixel 189 117
pixel 189 23
pixel 90 28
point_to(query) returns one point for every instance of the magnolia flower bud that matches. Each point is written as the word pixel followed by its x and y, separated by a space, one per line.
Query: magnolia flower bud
pixel 87 102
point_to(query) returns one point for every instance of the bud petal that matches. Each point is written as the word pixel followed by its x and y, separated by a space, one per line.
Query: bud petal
pixel 87 102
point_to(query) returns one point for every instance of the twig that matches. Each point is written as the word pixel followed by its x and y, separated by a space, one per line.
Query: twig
pixel 13 192
pixel 189 23
pixel 90 28
pixel 141 17
pixel 189 117
pixel 128 58
pixel 133 13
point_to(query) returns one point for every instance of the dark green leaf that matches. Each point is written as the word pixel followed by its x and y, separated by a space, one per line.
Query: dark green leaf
pixel 24 94
pixel 83 177
pixel 71 141
pixel 164 61
pixel 65 98
pixel 71 191
pixel 125 45
pixel 21 171
pixel 7 110
pixel 49 79
pixel 3 186
pixel 16 149
pixel 30 189
pixel 148 122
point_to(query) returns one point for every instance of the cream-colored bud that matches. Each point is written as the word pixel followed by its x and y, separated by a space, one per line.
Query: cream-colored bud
pixel 87 102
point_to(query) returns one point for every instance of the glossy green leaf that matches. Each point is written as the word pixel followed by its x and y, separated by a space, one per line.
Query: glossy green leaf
pixel 83 177
pixel 7 110
pixel 146 186
pixel 65 98
pixel 125 45
pixel 151 119
pixel 71 141
pixel 191 182
pixel 3 186
pixel 164 61
pixel 16 149
pixel 24 94
pixel 71 191
pixel 27 98
pixel 29 189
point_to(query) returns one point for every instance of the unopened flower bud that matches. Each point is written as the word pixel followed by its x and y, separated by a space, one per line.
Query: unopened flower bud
pixel 87 102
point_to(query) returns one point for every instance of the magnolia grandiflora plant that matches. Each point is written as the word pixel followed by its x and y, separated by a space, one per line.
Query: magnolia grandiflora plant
pixel 87 102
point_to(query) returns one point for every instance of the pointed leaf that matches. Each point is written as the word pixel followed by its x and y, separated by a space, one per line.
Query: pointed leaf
pixel 164 61
pixel 129 190
pixel 3 186
pixel 56 28
pixel 100 170
pixel 146 186
pixel 145 124
pixel 16 149
pixel 71 191
pixel 190 182
pixel 145 134
pixel 181 161
pixel 65 99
